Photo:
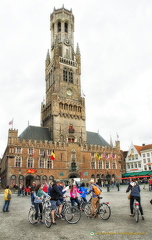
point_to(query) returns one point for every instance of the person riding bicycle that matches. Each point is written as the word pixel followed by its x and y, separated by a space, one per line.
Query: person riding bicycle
pixel 38 197
pixel 74 195
pixel 84 192
pixel 95 197
pixel 55 200
pixel 135 195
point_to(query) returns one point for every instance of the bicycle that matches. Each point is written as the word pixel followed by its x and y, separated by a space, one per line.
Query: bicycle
pixel 71 214
pixel 136 210
pixel 82 204
pixel 31 214
pixel 103 210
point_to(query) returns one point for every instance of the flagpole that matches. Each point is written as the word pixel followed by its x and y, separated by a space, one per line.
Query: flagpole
pixel 12 122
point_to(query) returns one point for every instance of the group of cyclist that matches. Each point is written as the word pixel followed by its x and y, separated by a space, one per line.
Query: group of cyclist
pixel 56 191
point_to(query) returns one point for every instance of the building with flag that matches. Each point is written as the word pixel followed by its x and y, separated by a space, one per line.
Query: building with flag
pixel 61 147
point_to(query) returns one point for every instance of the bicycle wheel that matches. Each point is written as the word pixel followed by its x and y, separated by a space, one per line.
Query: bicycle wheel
pixel 87 209
pixel 104 211
pixel 72 215
pixel 31 215
pixel 47 217
pixel 137 214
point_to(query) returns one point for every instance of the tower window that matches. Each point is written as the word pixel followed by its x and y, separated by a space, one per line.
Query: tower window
pixel 59 26
pixel 68 75
pixel 65 75
pixel 71 76
pixel 66 27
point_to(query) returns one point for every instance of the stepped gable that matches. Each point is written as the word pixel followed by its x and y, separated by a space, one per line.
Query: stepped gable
pixel 35 133
pixel 95 139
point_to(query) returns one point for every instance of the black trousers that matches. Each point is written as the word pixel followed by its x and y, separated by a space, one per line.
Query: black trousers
pixel 37 207
pixel 132 202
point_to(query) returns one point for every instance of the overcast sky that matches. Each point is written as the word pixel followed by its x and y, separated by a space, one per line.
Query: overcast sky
pixel 115 41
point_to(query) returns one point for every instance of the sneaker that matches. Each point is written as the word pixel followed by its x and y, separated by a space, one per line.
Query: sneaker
pixel 35 221
pixel 41 221
pixel 54 223
pixel 131 215
pixel 142 217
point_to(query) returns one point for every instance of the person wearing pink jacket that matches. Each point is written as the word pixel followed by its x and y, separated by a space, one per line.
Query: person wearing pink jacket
pixel 74 195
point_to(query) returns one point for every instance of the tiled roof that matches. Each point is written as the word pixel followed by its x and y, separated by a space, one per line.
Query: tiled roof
pixel 146 147
pixel 95 139
pixel 35 133
pixel 138 148
pixel 41 133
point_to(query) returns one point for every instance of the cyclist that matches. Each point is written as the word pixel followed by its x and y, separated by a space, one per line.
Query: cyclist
pixel 95 198
pixel 84 192
pixel 74 195
pixel 55 194
pixel 38 196
pixel 135 194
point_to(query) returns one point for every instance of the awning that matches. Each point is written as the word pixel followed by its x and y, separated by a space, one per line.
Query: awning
pixel 144 173
pixel 126 175
pixel 134 174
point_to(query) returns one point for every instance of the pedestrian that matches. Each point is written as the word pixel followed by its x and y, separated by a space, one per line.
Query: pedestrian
pixel 135 195
pixel 45 187
pixel 118 185
pixel 7 199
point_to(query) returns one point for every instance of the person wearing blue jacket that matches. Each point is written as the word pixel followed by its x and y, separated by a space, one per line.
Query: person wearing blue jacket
pixel 84 192
pixel 38 197
pixel 135 195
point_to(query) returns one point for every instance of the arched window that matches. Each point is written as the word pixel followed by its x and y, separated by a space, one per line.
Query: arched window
pixel 66 27
pixel 59 26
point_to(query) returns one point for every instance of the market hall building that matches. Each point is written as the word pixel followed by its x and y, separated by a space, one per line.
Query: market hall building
pixel 60 148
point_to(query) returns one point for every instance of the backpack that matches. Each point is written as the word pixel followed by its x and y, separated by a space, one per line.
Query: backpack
pixel 8 195
pixel 96 190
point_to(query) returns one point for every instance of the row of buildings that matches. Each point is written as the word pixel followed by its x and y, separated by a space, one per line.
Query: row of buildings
pixel 77 153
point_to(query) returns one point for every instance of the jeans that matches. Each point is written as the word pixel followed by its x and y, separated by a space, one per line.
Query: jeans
pixel 73 200
pixel 6 205
pixel 37 207
pixel 132 202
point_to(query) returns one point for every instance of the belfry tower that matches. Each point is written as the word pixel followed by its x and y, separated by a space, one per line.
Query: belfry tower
pixel 64 110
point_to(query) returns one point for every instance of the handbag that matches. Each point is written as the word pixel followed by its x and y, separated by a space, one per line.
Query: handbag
pixel 129 196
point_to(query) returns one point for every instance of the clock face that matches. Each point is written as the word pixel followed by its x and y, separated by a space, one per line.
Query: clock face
pixel 69 92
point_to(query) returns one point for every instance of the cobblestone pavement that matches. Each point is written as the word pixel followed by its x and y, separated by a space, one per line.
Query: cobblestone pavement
pixel 14 225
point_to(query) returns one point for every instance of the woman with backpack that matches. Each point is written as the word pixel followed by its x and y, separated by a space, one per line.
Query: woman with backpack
pixel 7 198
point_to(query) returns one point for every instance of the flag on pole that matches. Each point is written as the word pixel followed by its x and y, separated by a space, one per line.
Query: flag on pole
pixel 52 157
pixel 97 155
pixel 11 122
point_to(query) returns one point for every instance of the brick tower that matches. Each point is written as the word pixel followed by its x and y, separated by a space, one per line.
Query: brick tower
pixel 64 110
